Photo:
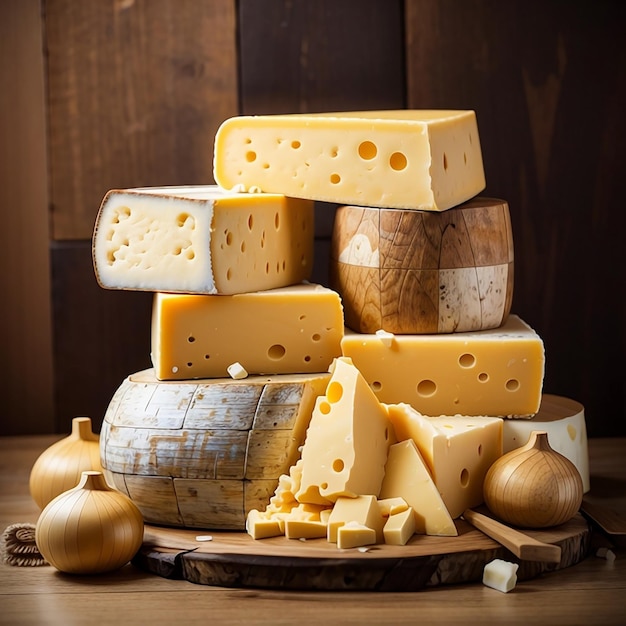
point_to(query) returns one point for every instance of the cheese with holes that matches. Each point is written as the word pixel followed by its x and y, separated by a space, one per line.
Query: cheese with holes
pixel 457 450
pixel 289 330
pixel 409 159
pixel 564 421
pixel 345 448
pixel 202 239
pixel 497 372
pixel 407 476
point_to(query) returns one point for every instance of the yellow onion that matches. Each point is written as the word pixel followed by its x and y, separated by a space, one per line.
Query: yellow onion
pixel 59 467
pixel 533 486
pixel 89 529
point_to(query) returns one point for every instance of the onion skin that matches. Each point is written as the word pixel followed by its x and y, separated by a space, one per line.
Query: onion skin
pixel 533 486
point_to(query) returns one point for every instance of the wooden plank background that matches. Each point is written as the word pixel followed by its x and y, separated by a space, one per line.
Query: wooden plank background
pixel 137 88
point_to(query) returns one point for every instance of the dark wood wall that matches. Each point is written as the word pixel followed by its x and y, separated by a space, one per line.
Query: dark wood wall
pixel 135 92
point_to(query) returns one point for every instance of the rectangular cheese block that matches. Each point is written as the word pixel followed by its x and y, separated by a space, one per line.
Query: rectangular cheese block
pixel 457 450
pixel 289 330
pixel 355 535
pixel 362 510
pixel 407 477
pixel 345 449
pixel 409 159
pixel 496 372
pixel 399 528
pixel 202 239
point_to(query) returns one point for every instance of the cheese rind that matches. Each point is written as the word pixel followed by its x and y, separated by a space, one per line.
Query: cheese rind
pixel 345 449
pixel 289 330
pixel 412 159
pixel 201 239
pixel 457 450
pixel 497 372
pixel 407 476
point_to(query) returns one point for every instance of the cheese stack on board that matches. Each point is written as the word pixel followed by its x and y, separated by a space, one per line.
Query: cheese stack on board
pixel 366 412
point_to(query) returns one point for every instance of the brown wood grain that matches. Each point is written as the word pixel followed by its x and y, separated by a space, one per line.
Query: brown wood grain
pixel 136 91
pixel 548 83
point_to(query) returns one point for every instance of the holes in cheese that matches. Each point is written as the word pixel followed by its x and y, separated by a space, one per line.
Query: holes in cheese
pixel 294 329
pixel 432 372
pixel 202 240
pixel 412 159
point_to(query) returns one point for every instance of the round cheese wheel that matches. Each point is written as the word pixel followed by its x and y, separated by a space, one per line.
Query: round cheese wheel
pixel 202 453
pixel 413 272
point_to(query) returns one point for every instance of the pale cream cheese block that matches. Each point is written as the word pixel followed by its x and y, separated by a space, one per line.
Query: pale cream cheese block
pixel 564 421
pixel 408 159
pixel 202 239
pixel 407 477
pixel 345 449
pixel 289 330
pixel 497 372
pixel 457 450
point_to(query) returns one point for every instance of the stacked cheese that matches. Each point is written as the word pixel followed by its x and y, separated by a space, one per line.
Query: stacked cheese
pixel 423 267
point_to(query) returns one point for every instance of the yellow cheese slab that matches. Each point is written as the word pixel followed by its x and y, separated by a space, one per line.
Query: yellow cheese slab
pixel 201 239
pixel 289 330
pixel 362 509
pixel 564 421
pixel 409 159
pixel 345 448
pixel 497 372
pixel 399 528
pixel 457 450
pixel 407 476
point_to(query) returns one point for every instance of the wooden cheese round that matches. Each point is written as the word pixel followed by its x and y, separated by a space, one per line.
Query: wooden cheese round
pixel 202 453
pixel 414 272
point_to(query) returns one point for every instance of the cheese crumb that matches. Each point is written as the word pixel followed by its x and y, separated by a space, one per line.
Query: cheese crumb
pixel 204 538
pixel 236 371
pixel 606 553
pixel 500 575
pixel 386 338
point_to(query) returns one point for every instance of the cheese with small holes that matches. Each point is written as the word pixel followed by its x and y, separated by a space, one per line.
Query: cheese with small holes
pixel 497 372
pixel 457 450
pixel 407 476
pixel 345 448
pixel 409 159
pixel 202 239
pixel 289 330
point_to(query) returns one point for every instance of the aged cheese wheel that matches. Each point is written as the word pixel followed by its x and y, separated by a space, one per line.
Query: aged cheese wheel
pixel 202 453
pixel 414 272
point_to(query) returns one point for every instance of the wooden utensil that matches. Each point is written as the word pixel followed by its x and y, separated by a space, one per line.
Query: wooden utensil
pixel 521 545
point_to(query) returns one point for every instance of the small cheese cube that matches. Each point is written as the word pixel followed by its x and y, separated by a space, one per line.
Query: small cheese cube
pixel 355 535
pixel 495 372
pixel 236 371
pixel 362 510
pixel 411 159
pixel 391 506
pixel 291 330
pixel 399 527
pixel 304 529
pixel 201 239
pixel 500 575
pixel 258 526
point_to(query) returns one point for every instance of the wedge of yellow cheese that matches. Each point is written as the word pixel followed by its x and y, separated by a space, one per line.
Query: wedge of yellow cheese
pixel 289 330
pixel 409 159
pixel 457 450
pixel 497 372
pixel 201 239
pixel 345 449
pixel 407 476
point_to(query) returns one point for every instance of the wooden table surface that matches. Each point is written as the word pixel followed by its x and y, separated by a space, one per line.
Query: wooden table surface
pixel 591 592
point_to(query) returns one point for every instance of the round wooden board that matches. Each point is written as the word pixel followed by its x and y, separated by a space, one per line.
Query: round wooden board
pixel 234 559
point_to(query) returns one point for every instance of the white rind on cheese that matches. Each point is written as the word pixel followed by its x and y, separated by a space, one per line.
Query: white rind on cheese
pixel 201 239
pixel 412 159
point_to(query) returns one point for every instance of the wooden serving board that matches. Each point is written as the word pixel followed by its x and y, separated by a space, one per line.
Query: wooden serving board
pixel 234 559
